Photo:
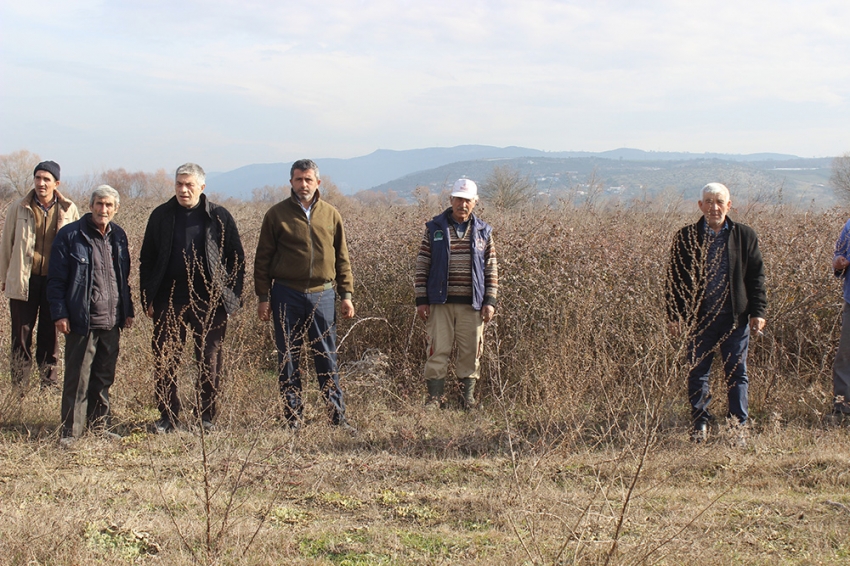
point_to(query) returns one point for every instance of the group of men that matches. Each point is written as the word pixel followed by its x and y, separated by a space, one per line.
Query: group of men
pixel 71 275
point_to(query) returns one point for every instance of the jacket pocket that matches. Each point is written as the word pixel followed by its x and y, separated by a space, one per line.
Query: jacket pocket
pixel 79 267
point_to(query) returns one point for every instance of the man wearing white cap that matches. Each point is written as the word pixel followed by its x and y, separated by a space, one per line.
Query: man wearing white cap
pixel 456 286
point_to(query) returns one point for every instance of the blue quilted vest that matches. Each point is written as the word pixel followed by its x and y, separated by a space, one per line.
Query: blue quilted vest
pixel 438 230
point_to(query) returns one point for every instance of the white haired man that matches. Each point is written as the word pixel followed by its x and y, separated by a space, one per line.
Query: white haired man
pixel 89 292
pixel 456 287
pixel 716 293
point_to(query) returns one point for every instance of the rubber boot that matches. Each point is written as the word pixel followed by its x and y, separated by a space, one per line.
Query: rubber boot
pixel 468 393
pixel 435 394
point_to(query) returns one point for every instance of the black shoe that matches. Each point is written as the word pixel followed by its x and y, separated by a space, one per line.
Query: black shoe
pixel 700 432
pixel 163 426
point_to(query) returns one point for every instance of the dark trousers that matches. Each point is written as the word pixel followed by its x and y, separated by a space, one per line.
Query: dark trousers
pixel 313 315
pixel 24 315
pixel 841 366
pixel 89 372
pixel 733 344
pixel 172 326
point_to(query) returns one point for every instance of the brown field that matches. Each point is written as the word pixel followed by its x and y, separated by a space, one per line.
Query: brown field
pixel 578 456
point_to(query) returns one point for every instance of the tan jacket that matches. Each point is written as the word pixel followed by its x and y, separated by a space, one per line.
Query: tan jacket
pixel 17 243
pixel 306 255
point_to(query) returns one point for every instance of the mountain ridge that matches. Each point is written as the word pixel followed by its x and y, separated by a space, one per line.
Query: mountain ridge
pixel 382 166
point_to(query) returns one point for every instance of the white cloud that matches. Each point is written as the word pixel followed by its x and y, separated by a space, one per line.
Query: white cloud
pixel 267 80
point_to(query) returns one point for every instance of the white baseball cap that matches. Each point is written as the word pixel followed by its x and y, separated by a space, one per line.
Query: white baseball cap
pixel 465 188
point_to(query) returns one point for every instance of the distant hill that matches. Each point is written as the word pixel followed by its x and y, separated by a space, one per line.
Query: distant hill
pixel 797 180
pixel 383 166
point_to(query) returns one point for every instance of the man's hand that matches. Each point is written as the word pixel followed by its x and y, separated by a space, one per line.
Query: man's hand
pixel 264 311
pixel 424 311
pixel 128 322
pixel 674 327
pixel 149 311
pixel 346 308
pixel 63 325
pixel 839 263
pixel 757 324
pixel 487 312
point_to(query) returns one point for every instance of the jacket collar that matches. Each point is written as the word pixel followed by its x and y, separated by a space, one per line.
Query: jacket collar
pixel 446 217
pixel 203 204
pixel 702 226
pixel 60 199
pixel 316 198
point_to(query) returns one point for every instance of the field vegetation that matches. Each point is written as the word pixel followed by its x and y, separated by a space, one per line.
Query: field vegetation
pixel 578 455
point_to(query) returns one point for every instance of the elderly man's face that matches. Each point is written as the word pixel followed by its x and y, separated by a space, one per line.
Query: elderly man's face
pixel 715 207
pixel 188 190
pixel 462 208
pixel 304 184
pixel 103 211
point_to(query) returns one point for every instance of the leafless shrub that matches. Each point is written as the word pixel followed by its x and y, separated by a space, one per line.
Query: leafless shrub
pixel 840 177
pixel 16 170
pixel 584 408
pixel 506 188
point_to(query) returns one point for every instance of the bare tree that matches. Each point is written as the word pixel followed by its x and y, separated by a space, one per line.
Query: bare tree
pixel 840 178
pixel 139 184
pixel 269 194
pixel 16 172
pixel 505 187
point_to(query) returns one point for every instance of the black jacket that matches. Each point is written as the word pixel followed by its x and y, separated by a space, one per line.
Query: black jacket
pixel 225 265
pixel 686 273
pixel 69 281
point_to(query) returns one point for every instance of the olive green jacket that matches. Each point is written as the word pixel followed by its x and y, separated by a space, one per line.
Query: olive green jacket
pixel 305 255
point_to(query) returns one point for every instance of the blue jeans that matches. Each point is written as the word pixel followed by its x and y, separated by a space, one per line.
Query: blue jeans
pixel 313 315
pixel 733 343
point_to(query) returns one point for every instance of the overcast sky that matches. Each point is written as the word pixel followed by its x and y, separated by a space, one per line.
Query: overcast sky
pixel 145 84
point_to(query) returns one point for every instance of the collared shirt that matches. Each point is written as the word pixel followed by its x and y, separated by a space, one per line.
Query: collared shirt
pixel 45 209
pixel 460 228
pixel 46 218
pixel 717 298
pixel 307 209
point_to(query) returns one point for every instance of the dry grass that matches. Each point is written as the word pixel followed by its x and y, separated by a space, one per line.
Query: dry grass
pixel 578 456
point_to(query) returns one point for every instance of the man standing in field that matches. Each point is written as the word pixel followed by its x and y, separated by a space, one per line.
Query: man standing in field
pixel 456 286
pixel 841 365
pixel 31 225
pixel 301 255
pixel 715 292
pixel 191 272
pixel 89 293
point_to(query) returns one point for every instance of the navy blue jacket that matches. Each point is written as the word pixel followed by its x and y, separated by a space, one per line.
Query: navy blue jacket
pixel 69 279
pixel 438 276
